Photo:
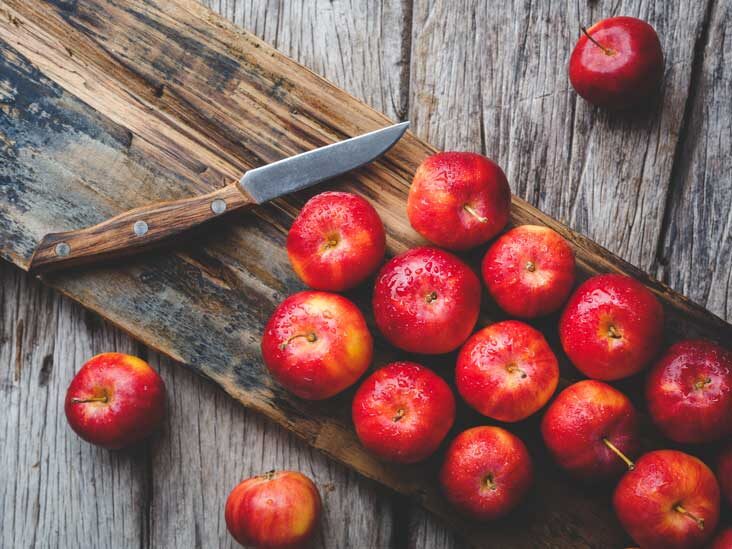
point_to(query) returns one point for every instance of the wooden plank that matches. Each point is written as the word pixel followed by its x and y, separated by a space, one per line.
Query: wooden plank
pixel 205 304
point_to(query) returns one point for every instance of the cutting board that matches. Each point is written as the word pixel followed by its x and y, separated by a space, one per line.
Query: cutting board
pixel 107 105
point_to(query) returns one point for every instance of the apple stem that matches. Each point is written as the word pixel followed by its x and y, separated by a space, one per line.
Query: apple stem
pixel 607 51
pixel 311 337
pixel 399 414
pixel 468 208
pixel 618 453
pixel 699 521
pixel 614 332
pixel 530 266
pixel 104 398
pixel 489 482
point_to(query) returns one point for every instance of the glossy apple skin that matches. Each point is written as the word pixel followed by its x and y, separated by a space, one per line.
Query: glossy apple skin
pixel 426 301
pixel 605 306
pixel 529 271
pixel 630 75
pixel 131 401
pixel 486 473
pixel 646 497
pixel 507 371
pixel 403 412
pixel 723 540
pixel 316 344
pixel 444 184
pixel 336 242
pixel 576 422
pixel 724 473
pixel 277 510
pixel 689 392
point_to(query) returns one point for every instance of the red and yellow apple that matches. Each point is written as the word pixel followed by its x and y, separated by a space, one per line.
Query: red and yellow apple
pixel 115 400
pixel 402 412
pixel 316 344
pixel 277 510
pixel 336 241
pixel 459 200
pixel 507 371
pixel 723 540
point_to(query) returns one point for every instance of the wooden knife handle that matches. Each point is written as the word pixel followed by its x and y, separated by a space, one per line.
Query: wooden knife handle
pixel 134 231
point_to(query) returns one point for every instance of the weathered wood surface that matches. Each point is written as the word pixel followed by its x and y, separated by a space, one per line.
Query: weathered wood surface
pixel 447 16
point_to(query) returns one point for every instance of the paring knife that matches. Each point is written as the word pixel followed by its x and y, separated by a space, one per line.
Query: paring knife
pixel 142 228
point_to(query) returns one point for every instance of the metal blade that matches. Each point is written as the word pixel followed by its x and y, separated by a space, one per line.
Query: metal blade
pixel 306 169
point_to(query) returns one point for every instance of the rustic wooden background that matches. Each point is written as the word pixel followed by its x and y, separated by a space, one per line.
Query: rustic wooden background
pixel 471 75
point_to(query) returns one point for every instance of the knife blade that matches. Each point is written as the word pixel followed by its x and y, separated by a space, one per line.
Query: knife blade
pixel 146 227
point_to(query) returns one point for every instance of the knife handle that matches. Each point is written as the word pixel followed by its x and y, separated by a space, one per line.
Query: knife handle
pixel 134 231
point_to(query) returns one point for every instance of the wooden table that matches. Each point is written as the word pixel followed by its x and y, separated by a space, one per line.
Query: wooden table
pixel 469 75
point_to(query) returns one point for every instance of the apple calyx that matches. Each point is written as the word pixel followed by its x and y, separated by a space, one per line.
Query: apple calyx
pixel 607 51
pixel 613 332
pixel 488 482
pixel 332 242
pixel 699 521
pixel 311 338
pixel 614 449
pixel 701 383
pixel 530 266
pixel 472 211
pixel 511 368
pixel 399 415
pixel 431 297
pixel 269 475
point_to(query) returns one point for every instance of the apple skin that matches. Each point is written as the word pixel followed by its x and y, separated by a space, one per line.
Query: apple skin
pixel 724 473
pixel 626 71
pixel 403 412
pixel 426 301
pixel 316 344
pixel 115 400
pixel 486 473
pixel 612 327
pixel 529 271
pixel 645 501
pixel 277 510
pixel 689 392
pixel 459 200
pixel 336 241
pixel 723 540
pixel 577 421
pixel 507 371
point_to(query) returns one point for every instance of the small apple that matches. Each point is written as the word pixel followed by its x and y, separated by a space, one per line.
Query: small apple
pixel 336 241
pixel 426 301
pixel 507 371
pixel 617 63
pixel 402 412
pixel 277 510
pixel 669 501
pixel 115 400
pixel 529 271
pixel 689 392
pixel 486 473
pixel 316 344
pixel 591 430
pixel 723 540
pixel 459 200
pixel 612 327
pixel 724 472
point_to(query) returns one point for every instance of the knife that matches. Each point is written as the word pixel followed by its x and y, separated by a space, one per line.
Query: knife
pixel 142 228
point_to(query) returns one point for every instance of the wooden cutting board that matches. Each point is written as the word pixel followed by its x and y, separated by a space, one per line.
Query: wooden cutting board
pixel 112 104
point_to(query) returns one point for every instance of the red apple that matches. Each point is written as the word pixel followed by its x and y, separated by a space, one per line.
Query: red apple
pixel 689 392
pixel 591 430
pixel 402 412
pixel 529 271
pixel 459 200
pixel 669 501
pixel 723 540
pixel 612 327
pixel 617 63
pixel 426 301
pixel 724 473
pixel 316 344
pixel 336 241
pixel 277 510
pixel 486 473
pixel 115 400
pixel 507 371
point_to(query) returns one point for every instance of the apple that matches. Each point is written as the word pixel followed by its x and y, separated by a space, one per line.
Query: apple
pixel 459 200
pixel 529 271
pixel 316 344
pixel 426 301
pixel 336 241
pixel 115 400
pixel 724 472
pixel 402 412
pixel 591 430
pixel 612 327
pixel 617 63
pixel 507 371
pixel 689 392
pixel 723 540
pixel 486 473
pixel 670 500
pixel 277 510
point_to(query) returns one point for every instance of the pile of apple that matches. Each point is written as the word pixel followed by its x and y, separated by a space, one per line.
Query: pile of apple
pixel 426 301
